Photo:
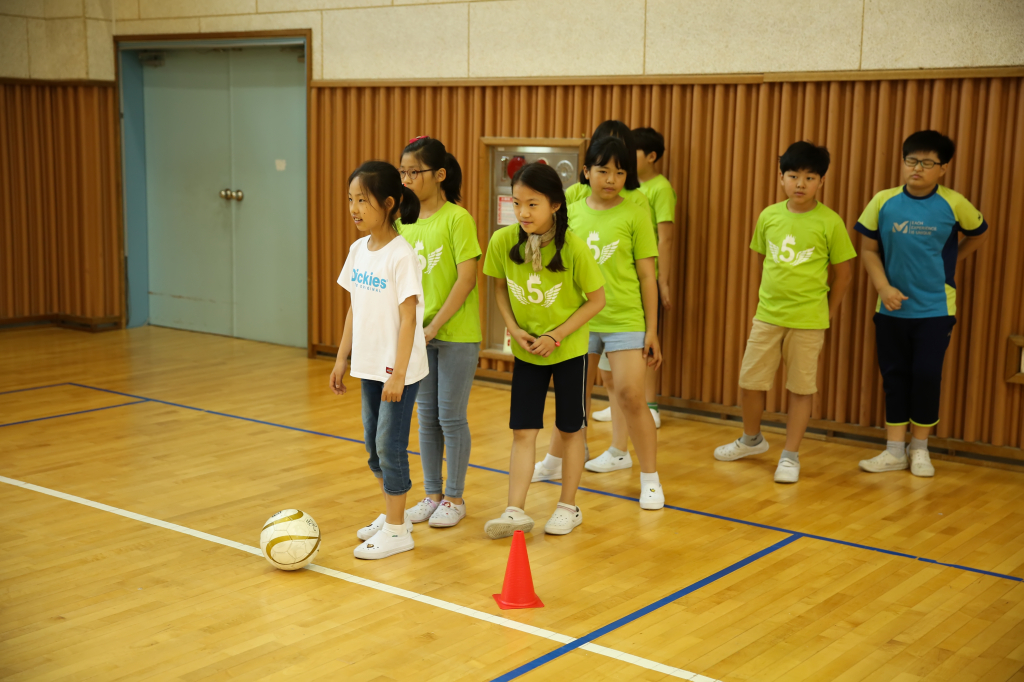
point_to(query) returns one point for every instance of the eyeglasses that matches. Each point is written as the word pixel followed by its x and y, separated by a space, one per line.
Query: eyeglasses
pixel 413 174
pixel 927 164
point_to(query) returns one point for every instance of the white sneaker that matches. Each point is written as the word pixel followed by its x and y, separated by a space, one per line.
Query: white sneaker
pixel 447 514
pixel 422 511
pixel 542 474
pixel 609 462
pixel 604 415
pixel 788 471
pixel 921 464
pixel 652 497
pixel 383 545
pixel 508 523
pixel 657 417
pixel 369 530
pixel 563 521
pixel 736 450
pixel 884 461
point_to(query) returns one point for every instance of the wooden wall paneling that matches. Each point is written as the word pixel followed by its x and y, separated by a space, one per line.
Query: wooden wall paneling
pixel 722 145
pixel 60 221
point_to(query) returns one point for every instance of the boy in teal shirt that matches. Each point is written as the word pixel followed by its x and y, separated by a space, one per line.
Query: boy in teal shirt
pixel 911 250
pixel 797 239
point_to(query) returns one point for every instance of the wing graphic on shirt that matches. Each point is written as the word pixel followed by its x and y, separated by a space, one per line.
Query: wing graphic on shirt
pixel 551 294
pixel 802 256
pixel 774 250
pixel 434 257
pixel 517 291
pixel 608 251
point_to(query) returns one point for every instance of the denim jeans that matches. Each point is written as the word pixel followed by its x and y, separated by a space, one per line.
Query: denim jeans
pixel 386 430
pixel 442 402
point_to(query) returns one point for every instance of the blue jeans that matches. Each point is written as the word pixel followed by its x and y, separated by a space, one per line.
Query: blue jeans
pixel 442 401
pixel 386 430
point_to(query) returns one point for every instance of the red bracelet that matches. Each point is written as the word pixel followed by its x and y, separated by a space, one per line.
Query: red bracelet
pixel 558 344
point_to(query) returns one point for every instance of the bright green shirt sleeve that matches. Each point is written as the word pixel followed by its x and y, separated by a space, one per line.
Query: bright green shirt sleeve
pixel 869 218
pixel 967 216
pixel 464 241
pixel 645 243
pixel 494 261
pixel 757 241
pixel 586 271
pixel 840 247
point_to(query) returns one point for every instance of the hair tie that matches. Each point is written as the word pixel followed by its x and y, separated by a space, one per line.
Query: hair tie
pixel 420 137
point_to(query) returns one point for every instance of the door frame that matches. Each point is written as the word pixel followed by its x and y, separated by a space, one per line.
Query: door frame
pixel 124 42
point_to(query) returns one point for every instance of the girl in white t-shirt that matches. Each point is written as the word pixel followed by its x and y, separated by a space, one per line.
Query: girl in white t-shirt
pixel 388 351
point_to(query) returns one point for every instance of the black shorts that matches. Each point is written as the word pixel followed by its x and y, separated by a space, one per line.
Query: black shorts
pixel 530 390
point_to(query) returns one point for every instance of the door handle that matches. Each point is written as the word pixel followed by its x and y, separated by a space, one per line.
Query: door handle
pixel 226 194
pixel 238 196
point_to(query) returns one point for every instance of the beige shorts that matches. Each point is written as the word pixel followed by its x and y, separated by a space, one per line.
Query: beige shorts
pixel 768 344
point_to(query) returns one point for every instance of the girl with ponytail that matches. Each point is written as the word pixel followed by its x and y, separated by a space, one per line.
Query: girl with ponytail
pixel 621 239
pixel 445 241
pixel 382 336
pixel 556 287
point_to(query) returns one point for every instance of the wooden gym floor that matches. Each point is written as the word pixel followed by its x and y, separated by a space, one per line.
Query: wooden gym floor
pixel 138 467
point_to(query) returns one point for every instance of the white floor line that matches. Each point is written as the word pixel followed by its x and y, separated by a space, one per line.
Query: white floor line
pixel 374 585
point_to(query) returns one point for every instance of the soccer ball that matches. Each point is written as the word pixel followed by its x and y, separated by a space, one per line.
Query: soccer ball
pixel 290 539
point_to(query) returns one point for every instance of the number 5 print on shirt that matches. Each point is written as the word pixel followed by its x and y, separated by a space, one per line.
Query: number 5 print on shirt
pixel 787 255
pixel 537 295
pixel 427 264
pixel 601 255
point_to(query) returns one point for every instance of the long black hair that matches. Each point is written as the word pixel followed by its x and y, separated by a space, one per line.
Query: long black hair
pixel 544 179
pixel 381 180
pixel 602 152
pixel 613 128
pixel 432 154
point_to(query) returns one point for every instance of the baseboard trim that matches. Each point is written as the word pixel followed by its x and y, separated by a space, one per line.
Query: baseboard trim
pixel 87 324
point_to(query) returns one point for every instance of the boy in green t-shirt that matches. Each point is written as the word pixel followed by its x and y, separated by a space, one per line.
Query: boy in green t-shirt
pixel 801 237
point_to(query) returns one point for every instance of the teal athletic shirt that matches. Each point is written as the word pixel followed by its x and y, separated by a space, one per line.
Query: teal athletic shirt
pixel 917 241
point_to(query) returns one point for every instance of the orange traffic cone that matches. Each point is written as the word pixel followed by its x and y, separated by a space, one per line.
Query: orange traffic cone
pixel 517 590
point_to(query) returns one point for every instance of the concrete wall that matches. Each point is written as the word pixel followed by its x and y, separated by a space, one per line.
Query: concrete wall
pixel 52 39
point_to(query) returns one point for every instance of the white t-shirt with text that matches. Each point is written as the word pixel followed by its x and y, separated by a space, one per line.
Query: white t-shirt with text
pixel 378 282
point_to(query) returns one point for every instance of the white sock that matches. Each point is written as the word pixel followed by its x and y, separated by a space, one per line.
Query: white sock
pixel 649 479
pixel 551 462
pixel 616 452
pixel 394 530
pixel 514 510
pixel 570 507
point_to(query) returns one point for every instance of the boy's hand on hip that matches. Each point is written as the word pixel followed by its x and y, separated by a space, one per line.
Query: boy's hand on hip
pixel 393 388
pixel 892 298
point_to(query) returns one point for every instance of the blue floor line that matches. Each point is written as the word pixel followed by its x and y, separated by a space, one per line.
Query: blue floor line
pixel 639 613
pixel 589 490
pixel 69 414
pixel 33 388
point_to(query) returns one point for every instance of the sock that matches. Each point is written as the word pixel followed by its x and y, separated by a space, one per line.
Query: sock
pixel 896 448
pixel 570 507
pixel 918 444
pixel 616 452
pixel 649 479
pixel 791 456
pixel 653 406
pixel 514 510
pixel 394 530
pixel 551 462
pixel 751 441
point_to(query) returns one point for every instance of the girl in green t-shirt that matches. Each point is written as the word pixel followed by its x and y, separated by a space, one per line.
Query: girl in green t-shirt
pixel 622 241
pixel 548 288
pixel 445 240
